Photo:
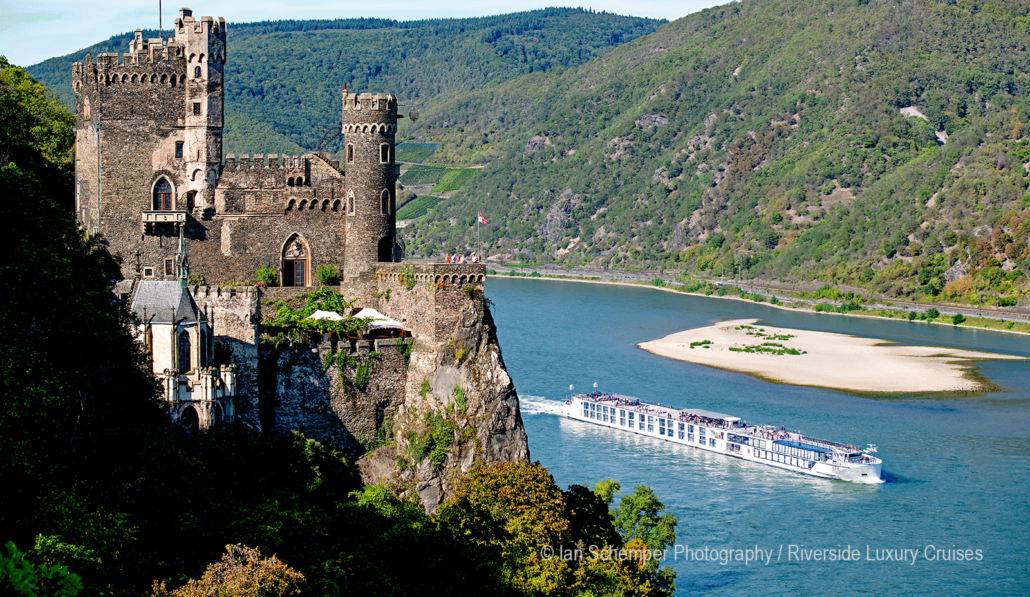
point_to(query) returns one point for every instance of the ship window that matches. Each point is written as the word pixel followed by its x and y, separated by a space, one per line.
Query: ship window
pixel 681 426
pixel 622 413
pixel 630 416
pixel 701 430
pixel 650 428
pixel 711 442
pixel 681 435
pixel 641 424
pixel 661 423
pixel 690 437
pixel 650 419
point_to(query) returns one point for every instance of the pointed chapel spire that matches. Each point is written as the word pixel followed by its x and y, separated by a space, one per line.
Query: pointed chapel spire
pixel 182 260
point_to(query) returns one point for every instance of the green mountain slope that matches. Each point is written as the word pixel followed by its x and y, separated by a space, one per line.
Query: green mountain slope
pixel 766 135
pixel 283 79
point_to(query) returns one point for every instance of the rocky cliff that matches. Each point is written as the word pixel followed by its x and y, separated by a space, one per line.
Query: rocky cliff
pixel 416 412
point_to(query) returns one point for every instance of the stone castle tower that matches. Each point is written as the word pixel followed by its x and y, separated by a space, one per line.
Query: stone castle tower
pixel 369 126
pixel 149 162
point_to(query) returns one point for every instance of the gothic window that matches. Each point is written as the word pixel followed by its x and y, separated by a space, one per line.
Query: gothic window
pixel 384 153
pixel 336 205
pixel 189 418
pixel 384 203
pixel 182 79
pixel 164 79
pixel 196 72
pixel 134 78
pixel 350 154
pixel 300 181
pixel 163 195
pixel 196 108
pixel 178 148
pixel 295 263
pixel 185 363
pixel 289 182
pixel 173 80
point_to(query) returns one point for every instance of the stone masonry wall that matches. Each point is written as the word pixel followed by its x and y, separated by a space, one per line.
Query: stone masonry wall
pixel 232 313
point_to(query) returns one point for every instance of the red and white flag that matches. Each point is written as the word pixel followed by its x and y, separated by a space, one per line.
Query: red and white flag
pixel 482 220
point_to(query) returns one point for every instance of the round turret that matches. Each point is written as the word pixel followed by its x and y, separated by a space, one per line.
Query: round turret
pixel 369 128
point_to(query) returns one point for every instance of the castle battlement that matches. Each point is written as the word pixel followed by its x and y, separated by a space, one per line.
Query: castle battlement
pixel 382 103
pixel 269 161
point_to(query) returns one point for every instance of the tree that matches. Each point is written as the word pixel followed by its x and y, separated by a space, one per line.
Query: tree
pixel 20 577
pixel 241 573
pixel 641 516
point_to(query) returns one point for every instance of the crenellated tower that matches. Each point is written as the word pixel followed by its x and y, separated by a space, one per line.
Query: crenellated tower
pixel 149 140
pixel 369 129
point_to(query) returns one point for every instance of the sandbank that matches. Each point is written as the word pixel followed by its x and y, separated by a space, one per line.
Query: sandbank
pixel 826 359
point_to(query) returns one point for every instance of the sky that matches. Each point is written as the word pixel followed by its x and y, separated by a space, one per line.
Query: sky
pixel 31 32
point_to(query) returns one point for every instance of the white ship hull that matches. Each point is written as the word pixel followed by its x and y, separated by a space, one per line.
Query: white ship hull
pixel 727 435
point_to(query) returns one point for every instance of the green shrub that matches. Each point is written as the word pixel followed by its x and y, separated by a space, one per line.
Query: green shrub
pixel 912 315
pixel 932 313
pixel 957 318
pixel 267 275
pixel 327 275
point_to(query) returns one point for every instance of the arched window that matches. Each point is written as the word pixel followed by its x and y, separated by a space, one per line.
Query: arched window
pixel 384 203
pixel 196 72
pixel 336 205
pixel 135 78
pixel 185 352
pixel 189 418
pixel 300 181
pixel 289 182
pixel 163 195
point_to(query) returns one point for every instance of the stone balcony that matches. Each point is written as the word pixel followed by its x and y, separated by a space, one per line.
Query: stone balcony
pixel 151 216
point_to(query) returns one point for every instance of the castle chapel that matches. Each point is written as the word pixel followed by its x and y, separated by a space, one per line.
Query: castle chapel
pixel 149 167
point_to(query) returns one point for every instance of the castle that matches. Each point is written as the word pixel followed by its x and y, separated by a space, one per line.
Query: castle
pixel 149 162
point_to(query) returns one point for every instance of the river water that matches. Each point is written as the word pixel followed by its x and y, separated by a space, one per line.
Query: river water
pixel 956 467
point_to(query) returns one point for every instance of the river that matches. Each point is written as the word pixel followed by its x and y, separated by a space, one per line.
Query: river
pixel 956 466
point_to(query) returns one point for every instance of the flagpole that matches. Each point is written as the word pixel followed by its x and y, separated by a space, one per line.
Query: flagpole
pixel 479 245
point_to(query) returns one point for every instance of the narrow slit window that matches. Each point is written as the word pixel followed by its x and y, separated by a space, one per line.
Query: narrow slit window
pixel 178 149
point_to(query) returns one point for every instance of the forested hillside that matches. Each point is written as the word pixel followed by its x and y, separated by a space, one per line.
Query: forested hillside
pixel 875 143
pixel 283 78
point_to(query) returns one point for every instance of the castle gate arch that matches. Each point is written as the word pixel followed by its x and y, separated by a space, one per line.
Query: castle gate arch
pixel 296 259
pixel 385 249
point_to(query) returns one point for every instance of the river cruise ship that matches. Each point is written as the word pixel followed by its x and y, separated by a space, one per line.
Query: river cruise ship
pixel 725 434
